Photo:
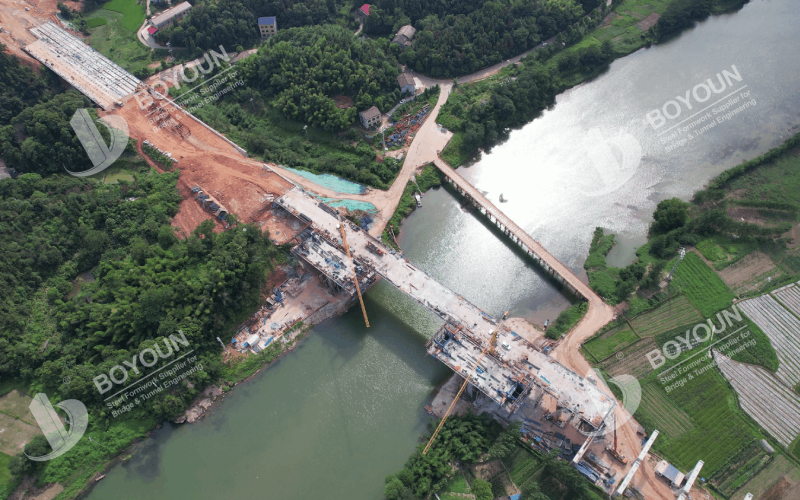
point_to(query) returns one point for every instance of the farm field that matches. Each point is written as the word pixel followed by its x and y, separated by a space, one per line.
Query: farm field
pixel 789 296
pixel 783 330
pixel 702 286
pixel 521 465
pixel 602 348
pixel 114 40
pixel 667 418
pixel 675 312
pixel 745 465
pixel 771 403
pixel 780 470
pixel 750 272
pixel 632 360
pixel 720 430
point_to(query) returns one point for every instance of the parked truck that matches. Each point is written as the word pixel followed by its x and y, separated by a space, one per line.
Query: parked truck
pixel 374 249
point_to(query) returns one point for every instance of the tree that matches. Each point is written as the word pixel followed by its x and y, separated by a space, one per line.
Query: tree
pixel 481 489
pixel 531 491
pixel 670 214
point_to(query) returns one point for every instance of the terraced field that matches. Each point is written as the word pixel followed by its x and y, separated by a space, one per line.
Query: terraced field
pixel 768 400
pixel 750 272
pixel 668 419
pixel 673 313
pixel 783 330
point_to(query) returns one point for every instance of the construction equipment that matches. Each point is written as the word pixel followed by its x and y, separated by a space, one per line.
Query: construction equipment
pixel 355 276
pixel 613 451
pixel 492 343
pixel 458 396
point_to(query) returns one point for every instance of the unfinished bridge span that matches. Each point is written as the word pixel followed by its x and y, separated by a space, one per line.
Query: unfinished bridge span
pixel 515 374
pixel 532 247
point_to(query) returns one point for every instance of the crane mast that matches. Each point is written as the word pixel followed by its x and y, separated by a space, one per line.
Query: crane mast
pixel 460 391
pixel 355 276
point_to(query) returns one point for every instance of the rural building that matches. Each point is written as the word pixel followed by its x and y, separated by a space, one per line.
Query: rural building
pixel 171 15
pixel 363 11
pixel 406 83
pixel 404 36
pixel 670 473
pixel 267 26
pixel 370 117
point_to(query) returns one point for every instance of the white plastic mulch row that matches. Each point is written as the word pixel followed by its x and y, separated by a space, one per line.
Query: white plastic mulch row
pixel 767 399
pixel 790 297
pixel 783 330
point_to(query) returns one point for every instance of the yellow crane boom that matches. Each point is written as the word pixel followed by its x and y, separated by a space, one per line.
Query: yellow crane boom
pixel 458 396
pixel 355 276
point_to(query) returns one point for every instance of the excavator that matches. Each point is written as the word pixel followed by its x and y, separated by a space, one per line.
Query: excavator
pixel 492 342
pixel 613 450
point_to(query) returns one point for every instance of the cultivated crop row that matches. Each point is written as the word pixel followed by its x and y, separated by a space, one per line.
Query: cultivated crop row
pixel 703 287
pixel 790 297
pixel 666 417
pixel 632 360
pixel 672 314
pixel 783 330
pixel 769 401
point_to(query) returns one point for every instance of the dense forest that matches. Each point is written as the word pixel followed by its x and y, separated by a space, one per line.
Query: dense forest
pixel 470 439
pixel 233 22
pixel 59 324
pixel 302 69
pixel 449 45
pixel 35 133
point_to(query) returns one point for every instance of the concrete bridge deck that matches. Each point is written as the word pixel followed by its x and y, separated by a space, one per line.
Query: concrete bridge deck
pixel 516 370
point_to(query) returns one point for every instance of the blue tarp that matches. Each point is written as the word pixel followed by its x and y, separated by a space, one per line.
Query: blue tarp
pixel 268 341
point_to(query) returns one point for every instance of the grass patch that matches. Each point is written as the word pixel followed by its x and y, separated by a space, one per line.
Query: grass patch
pixel 5 475
pixel 112 39
pixel 96 21
pixel 602 348
pixel 452 152
pixel 133 13
pixel 702 286
pixel 568 318
pixel 522 463
pixel 163 161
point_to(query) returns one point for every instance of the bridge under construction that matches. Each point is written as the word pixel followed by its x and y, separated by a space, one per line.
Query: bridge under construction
pixel 512 373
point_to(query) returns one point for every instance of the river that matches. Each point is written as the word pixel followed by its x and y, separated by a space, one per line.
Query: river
pixel 333 418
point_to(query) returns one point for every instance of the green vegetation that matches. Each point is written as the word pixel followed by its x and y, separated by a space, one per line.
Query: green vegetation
pixel 682 13
pixel 601 348
pixel 702 286
pixel 672 313
pixel 568 318
pixel 6 483
pixel 428 177
pixel 795 448
pixel 614 285
pixel 131 9
pixel 465 440
pixel 148 285
pixel 94 22
pixel 317 63
pixel 231 23
pixel 740 469
pixel 162 160
pixel 718 429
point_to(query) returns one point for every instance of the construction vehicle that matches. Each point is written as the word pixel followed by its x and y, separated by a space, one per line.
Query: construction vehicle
pixel 613 450
pixel 458 396
pixel 355 275
pixel 374 249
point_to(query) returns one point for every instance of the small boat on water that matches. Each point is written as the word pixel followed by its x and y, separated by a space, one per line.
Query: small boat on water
pixel 98 477
pixel 502 200
pixel 429 409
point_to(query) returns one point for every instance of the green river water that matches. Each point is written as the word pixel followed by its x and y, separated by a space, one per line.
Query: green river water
pixel 333 418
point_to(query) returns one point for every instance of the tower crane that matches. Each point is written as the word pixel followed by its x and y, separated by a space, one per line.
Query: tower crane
pixel 614 452
pixel 458 396
pixel 355 276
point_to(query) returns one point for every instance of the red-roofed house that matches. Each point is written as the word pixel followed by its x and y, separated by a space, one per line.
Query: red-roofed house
pixel 364 10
